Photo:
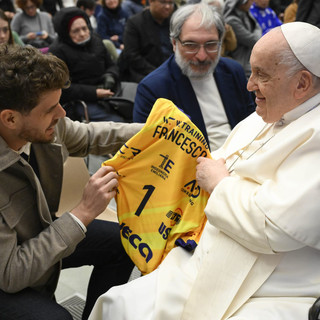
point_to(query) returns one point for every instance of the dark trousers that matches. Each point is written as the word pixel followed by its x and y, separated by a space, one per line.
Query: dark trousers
pixel 101 248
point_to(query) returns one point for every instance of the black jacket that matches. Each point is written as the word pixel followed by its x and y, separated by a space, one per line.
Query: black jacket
pixel 87 63
pixel 142 46
pixel 309 11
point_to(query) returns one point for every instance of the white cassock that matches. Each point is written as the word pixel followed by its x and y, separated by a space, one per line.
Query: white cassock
pixel 258 257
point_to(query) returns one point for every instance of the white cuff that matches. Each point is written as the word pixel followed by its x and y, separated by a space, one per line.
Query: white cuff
pixel 82 226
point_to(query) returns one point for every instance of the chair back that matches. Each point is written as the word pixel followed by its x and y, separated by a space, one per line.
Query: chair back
pixel 75 178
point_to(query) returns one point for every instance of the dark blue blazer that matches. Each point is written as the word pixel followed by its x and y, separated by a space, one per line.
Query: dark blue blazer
pixel 168 82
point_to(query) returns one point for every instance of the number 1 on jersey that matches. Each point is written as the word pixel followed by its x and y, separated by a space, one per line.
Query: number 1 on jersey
pixel 144 201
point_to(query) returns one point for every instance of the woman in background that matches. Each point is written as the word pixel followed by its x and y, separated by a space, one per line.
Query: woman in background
pixel 94 76
pixel 33 26
pixel 6 35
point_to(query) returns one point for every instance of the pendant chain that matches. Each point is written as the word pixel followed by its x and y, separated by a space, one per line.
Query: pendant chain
pixel 231 167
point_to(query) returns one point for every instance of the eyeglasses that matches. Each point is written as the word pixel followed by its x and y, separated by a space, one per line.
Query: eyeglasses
pixel 194 47
pixel 166 3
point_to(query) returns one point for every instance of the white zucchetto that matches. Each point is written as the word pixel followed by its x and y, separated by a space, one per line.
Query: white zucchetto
pixel 304 40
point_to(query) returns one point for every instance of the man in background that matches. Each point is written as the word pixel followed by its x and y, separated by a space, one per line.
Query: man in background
pixel 146 41
pixel 208 88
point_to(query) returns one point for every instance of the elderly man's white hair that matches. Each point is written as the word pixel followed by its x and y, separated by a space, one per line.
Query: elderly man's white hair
pixel 210 17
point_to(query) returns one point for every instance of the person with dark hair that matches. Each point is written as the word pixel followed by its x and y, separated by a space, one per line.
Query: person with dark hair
pixel 34 27
pixel 146 40
pixel 8 8
pixel 6 35
pixel 94 76
pixel 88 6
pixel 208 88
pixel 35 140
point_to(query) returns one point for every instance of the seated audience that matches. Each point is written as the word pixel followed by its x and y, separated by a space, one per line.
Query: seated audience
pixel 259 253
pixel 94 76
pixel 146 41
pixel 246 28
pixel 33 26
pixel 265 16
pixel 111 22
pixel 210 89
pixel 6 35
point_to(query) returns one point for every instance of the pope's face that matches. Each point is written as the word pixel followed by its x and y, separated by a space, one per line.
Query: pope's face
pixel 273 88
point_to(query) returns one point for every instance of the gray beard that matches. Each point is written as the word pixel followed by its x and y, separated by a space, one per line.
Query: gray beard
pixel 189 72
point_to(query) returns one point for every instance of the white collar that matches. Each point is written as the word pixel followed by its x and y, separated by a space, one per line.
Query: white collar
pixel 297 112
pixel 25 149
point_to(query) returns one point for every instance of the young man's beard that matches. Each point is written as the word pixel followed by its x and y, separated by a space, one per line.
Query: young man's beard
pixel 34 136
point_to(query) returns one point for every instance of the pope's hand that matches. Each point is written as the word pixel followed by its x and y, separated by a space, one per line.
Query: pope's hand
pixel 210 172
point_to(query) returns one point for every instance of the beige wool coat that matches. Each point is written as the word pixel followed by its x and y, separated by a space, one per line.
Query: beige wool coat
pixel 32 240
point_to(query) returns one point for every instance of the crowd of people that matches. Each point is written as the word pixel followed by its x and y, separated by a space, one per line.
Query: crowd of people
pixel 246 73
pixel 136 32
pixel 142 43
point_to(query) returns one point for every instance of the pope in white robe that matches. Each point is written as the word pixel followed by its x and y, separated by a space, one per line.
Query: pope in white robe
pixel 258 257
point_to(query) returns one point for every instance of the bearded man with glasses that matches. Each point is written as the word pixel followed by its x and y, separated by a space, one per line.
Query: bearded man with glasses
pixel 209 88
